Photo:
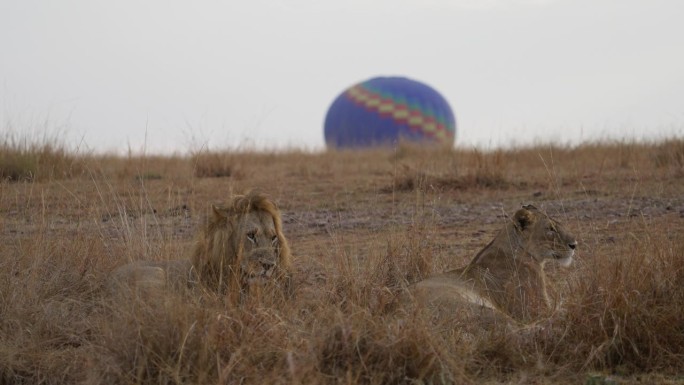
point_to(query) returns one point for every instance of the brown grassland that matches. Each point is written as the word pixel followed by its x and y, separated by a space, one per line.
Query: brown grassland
pixel 362 225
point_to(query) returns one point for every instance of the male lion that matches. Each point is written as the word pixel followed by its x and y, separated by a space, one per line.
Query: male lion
pixel 507 276
pixel 241 245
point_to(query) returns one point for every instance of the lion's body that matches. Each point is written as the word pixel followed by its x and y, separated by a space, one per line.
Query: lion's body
pixel 507 276
pixel 241 244
pixel 152 275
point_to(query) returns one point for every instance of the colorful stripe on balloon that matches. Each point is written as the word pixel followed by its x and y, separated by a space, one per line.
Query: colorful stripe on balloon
pixel 413 116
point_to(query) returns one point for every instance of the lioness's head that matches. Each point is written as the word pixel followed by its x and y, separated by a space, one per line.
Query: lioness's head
pixel 544 238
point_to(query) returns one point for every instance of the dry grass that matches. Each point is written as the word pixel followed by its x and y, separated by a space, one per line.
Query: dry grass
pixel 362 225
pixel 36 159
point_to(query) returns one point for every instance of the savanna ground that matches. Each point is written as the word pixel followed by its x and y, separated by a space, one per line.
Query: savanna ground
pixel 362 225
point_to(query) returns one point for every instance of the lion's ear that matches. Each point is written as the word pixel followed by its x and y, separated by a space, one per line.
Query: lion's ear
pixel 219 212
pixel 523 218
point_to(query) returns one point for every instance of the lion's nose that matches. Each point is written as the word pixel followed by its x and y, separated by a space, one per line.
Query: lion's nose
pixel 572 245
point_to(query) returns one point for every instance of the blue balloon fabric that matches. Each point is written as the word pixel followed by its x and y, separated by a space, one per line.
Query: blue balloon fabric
pixel 384 110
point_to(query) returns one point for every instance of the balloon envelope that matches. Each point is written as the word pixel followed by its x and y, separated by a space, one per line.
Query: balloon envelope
pixel 383 110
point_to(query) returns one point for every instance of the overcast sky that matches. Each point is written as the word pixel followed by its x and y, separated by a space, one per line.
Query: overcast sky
pixel 176 75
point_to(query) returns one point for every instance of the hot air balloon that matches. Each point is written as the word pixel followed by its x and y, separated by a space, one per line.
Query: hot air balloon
pixel 384 110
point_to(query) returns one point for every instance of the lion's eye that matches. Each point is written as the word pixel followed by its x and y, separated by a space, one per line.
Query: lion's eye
pixel 252 236
pixel 274 240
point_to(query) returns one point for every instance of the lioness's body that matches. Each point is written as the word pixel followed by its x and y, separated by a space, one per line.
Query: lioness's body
pixel 241 244
pixel 507 276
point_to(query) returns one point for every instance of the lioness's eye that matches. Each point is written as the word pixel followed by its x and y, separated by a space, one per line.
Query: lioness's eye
pixel 252 236
pixel 274 240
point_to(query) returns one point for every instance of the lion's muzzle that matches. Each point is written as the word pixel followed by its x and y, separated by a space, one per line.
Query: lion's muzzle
pixel 260 265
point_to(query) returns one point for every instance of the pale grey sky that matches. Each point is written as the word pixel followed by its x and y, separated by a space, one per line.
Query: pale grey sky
pixel 180 74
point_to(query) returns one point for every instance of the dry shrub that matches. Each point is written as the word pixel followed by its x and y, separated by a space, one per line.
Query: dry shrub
pixel 670 154
pixel 497 355
pixel 627 153
pixel 352 329
pixel 138 167
pixel 362 334
pixel 487 172
pixel 22 160
pixel 407 150
pixel 178 339
pixel 359 349
pixel 374 282
pixel 214 165
pixel 439 169
pixel 46 295
pixel 626 313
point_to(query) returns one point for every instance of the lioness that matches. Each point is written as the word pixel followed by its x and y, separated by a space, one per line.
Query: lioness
pixel 241 244
pixel 507 276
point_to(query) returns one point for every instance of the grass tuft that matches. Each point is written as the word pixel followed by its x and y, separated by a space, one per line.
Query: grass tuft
pixel 24 160
pixel 214 165
pixel 488 172
pixel 670 154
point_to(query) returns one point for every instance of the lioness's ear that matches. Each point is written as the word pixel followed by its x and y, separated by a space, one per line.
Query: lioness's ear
pixel 523 218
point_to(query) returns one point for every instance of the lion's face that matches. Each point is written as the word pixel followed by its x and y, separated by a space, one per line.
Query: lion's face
pixel 545 238
pixel 243 244
pixel 260 245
